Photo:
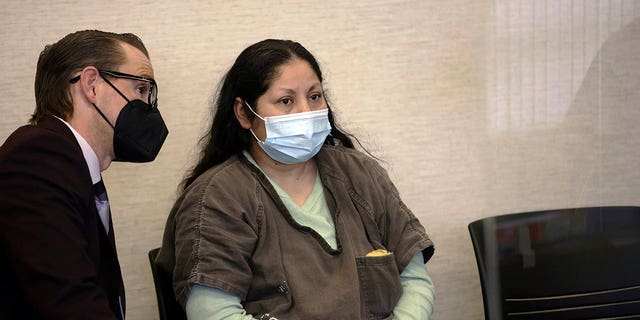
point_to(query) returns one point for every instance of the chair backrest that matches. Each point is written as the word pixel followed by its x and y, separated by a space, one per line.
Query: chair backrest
pixel 579 263
pixel 168 306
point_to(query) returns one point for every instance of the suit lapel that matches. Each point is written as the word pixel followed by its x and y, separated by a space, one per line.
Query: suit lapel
pixel 107 240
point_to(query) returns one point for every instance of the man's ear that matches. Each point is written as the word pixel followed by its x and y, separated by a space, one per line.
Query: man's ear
pixel 88 79
pixel 241 113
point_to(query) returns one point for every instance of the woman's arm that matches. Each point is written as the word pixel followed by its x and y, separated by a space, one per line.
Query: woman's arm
pixel 208 303
pixel 418 292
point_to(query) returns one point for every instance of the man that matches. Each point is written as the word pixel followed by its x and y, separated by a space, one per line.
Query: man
pixel 96 102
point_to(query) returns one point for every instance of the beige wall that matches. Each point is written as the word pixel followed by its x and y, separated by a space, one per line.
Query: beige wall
pixel 478 107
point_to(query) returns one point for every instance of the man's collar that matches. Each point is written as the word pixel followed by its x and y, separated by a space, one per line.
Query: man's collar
pixel 89 155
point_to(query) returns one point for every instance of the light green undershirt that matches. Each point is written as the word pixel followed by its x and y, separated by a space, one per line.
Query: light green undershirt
pixel 314 213
pixel 416 302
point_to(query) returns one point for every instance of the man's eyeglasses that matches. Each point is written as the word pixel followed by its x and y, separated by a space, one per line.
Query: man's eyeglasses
pixel 151 87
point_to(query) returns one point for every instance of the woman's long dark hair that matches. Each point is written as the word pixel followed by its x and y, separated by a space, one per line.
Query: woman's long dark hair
pixel 249 78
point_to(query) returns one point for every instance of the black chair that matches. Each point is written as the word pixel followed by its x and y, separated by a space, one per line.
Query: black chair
pixel 168 307
pixel 579 263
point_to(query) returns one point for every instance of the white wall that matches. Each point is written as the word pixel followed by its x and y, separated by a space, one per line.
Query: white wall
pixel 478 107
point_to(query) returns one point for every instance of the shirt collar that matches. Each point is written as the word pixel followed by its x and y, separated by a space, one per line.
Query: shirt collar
pixel 89 155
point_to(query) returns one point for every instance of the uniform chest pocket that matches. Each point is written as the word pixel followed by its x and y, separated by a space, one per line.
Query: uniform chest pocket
pixel 380 287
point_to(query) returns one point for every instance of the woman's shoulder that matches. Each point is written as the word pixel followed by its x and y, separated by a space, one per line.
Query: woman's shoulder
pixel 229 173
pixel 226 187
pixel 347 161
pixel 343 154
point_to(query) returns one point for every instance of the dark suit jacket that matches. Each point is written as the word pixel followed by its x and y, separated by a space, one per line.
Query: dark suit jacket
pixel 56 261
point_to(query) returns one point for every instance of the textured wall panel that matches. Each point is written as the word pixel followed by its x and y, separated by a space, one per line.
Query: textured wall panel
pixel 477 107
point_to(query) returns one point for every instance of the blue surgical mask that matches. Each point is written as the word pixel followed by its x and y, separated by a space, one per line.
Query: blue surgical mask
pixel 296 137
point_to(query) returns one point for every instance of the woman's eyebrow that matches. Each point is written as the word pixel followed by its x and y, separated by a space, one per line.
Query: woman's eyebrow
pixel 315 86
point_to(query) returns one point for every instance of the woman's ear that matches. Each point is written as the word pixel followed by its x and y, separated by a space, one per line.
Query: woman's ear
pixel 241 113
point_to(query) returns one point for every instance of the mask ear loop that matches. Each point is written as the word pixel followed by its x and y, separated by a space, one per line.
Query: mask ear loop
pixel 114 88
pixel 118 91
pixel 257 115
pixel 103 116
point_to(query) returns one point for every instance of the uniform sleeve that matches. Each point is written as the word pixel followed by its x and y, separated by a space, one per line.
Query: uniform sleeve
pixel 215 236
pixel 401 231
pixel 43 229
pixel 403 234
pixel 418 292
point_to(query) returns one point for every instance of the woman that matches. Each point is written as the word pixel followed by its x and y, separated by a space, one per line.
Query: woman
pixel 282 218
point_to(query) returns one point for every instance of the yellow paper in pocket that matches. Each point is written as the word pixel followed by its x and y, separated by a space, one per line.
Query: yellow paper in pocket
pixel 378 253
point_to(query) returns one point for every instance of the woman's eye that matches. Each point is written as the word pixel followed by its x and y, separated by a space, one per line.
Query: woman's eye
pixel 286 101
pixel 315 97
